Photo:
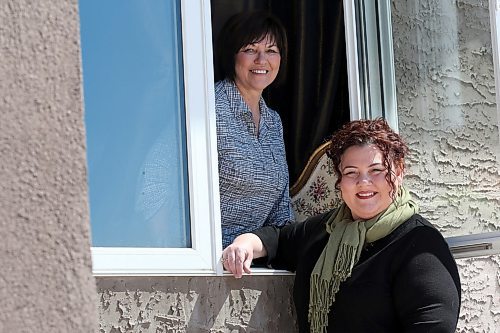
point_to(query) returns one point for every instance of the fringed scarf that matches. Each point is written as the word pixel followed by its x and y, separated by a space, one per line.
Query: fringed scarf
pixel 344 247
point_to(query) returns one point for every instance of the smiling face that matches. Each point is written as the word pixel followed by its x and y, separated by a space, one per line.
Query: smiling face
pixel 364 186
pixel 257 65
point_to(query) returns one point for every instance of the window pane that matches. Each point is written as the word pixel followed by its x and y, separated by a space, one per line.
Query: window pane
pixel 134 113
pixel 448 111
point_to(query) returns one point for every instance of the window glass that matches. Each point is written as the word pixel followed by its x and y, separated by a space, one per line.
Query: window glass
pixel 448 112
pixel 135 126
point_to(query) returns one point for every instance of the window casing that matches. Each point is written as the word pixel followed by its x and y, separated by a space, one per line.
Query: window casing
pixel 372 88
pixel 202 256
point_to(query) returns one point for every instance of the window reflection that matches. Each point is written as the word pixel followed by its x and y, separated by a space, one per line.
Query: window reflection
pixel 134 113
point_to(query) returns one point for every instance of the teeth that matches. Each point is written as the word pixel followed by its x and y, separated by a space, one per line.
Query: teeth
pixel 365 194
pixel 259 71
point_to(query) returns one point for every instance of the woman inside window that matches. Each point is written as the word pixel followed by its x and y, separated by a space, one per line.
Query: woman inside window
pixel 253 173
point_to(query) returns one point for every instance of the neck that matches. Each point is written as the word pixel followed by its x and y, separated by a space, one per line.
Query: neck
pixel 253 104
pixel 251 97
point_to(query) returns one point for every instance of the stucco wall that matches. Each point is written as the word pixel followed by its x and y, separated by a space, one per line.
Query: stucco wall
pixel 196 304
pixel 46 283
pixel 448 114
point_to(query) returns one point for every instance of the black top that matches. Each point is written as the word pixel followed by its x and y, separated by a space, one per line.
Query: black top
pixel 405 282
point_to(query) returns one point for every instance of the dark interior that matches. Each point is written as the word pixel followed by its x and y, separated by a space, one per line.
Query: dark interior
pixel 314 99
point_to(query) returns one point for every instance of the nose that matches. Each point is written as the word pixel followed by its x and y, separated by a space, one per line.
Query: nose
pixel 364 178
pixel 260 57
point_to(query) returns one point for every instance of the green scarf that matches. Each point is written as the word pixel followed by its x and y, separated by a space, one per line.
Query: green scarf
pixel 344 247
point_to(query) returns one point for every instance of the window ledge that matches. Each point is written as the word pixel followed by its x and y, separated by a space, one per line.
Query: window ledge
pixel 255 272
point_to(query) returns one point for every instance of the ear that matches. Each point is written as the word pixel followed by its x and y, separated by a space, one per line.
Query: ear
pixel 399 172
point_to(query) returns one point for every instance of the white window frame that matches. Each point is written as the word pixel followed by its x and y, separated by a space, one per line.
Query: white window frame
pixel 370 60
pixel 372 86
pixel 203 257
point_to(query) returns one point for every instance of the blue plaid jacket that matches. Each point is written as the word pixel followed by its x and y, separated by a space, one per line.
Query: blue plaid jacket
pixel 253 173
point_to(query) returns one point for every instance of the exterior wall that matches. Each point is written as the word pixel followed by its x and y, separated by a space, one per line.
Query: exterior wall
pixel 448 114
pixel 196 304
pixel 46 283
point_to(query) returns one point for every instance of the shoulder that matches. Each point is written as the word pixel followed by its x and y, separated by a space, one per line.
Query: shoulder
pixel 222 102
pixel 421 249
pixel 414 223
pixel 219 86
pixel 417 236
pixel 220 89
pixel 424 230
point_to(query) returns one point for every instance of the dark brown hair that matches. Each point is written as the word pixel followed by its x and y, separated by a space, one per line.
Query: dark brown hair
pixel 369 132
pixel 246 28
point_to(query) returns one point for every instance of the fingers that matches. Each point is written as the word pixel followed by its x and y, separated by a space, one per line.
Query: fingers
pixel 237 260
pixel 246 264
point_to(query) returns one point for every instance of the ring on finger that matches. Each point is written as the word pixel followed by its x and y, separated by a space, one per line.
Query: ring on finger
pixel 223 260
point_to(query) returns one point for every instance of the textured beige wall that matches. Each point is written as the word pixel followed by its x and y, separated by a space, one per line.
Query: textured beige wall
pixel 196 304
pixel 45 270
pixel 448 114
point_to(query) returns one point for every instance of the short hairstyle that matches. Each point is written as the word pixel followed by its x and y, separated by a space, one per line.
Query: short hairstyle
pixel 369 132
pixel 246 28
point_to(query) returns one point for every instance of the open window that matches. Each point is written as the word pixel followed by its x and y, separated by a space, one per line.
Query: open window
pixel 313 100
pixel 151 145
pixel 148 83
pixel 148 86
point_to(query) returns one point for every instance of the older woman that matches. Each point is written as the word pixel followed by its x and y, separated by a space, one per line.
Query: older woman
pixel 253 173
pixel 372 265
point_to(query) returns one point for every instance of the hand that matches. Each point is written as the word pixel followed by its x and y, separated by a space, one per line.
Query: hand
pixel 238 256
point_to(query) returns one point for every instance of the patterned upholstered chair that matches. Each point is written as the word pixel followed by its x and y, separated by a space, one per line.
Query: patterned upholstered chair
pixel 314 192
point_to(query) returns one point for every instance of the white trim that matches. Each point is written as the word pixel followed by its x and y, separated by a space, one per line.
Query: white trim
pixel 200 114
pixel 264 272
pixel 254 272
pixel 387 64
pixel 368 13
pixel 370 60
pixel 202 258
pixel 352 60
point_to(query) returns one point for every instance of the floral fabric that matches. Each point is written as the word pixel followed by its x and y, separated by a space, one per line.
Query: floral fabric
pixel 318 194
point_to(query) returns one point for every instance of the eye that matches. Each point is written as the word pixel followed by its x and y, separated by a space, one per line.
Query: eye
pixel 350 174
pixel 376 171
pixel 273 51
pixel 248 50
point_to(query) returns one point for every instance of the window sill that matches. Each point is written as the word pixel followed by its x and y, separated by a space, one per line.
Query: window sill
pixel 255 272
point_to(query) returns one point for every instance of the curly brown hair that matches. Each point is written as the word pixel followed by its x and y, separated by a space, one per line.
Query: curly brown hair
pixel 369 132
